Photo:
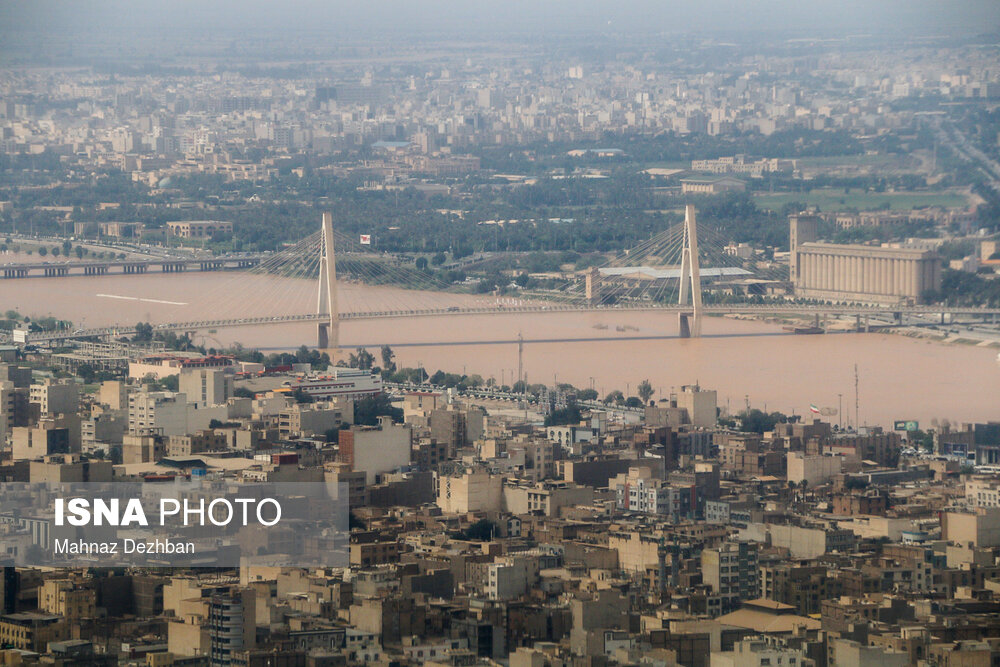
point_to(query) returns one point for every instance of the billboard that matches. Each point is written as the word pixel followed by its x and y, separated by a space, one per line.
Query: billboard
pixel 905 425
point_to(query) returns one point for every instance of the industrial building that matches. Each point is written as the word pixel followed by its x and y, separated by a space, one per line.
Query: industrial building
pixel 858 273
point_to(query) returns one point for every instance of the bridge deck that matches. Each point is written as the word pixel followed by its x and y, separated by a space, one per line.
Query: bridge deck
pixel 128 266
pixel 532 308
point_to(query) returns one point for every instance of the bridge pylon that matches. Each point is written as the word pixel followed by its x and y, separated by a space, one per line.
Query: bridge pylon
pixel 690 322
pixel 328 331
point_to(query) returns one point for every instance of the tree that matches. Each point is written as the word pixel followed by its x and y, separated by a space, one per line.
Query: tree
pixel 143 332
pixel 55 251
pixel 362 359
pixel 587 395
pixel 421 263
pixel 757 421
pixel 481 531
pixel 388 355
pixel 645 391
pixel 368 409
pixel 79 252
pixel 570 415
pixel 42 251
pixel 86 372
pixel 170 382
pixel 614 397
pixel 301 396
pixel 633 402
pixel 438 259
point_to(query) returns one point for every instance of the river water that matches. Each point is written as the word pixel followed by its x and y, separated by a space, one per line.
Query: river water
pixel 899 377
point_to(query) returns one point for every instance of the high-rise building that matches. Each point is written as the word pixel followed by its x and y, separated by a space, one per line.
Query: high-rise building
pixel 231 626
pixel 8 586
pixel 732 570
pixel 802 228
pixel 205 386
pixel 56 397
pixel 114 394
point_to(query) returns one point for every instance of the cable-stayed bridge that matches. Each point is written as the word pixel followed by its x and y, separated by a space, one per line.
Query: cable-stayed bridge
pixel 328 278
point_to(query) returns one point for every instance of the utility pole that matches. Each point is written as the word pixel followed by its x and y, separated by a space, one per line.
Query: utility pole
pixel 840 411
pixel 520 356
pixel 857 402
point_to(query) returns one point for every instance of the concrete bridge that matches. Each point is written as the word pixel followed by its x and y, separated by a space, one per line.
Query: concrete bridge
pixel 129 266
pixel 863 313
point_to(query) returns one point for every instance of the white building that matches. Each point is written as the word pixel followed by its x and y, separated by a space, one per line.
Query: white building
pixel 56 397
pixel 476 491
pixel 816 470
pixel 511 577
pixel 639 491
pixel 376 449
pixel 983 492
pixel 168 413
pixel 205 386
pixel 337 382
pixel 701 405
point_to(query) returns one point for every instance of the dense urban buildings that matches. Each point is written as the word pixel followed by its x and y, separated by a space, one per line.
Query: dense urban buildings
pixel 486 518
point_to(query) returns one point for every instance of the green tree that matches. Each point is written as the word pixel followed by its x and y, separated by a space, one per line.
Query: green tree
pixel 367 410
pixel 170 382
pixel 388 355
pixel 481 531
pixel 86 372
pixel 570 415
pixel 421 263
pixel 143 332
pixel 587 395
pixel 758 421
pixel 42 251
pixel 615 396
pixel 645 391
pixel 301 396
pixel 362 359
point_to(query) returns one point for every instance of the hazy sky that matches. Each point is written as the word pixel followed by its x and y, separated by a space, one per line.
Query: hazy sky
pixel 479 17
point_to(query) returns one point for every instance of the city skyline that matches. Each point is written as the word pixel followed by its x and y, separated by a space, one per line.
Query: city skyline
pixel 461 334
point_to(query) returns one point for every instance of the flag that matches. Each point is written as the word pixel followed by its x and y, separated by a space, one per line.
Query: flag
pixel 366 239
pixel 813 409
